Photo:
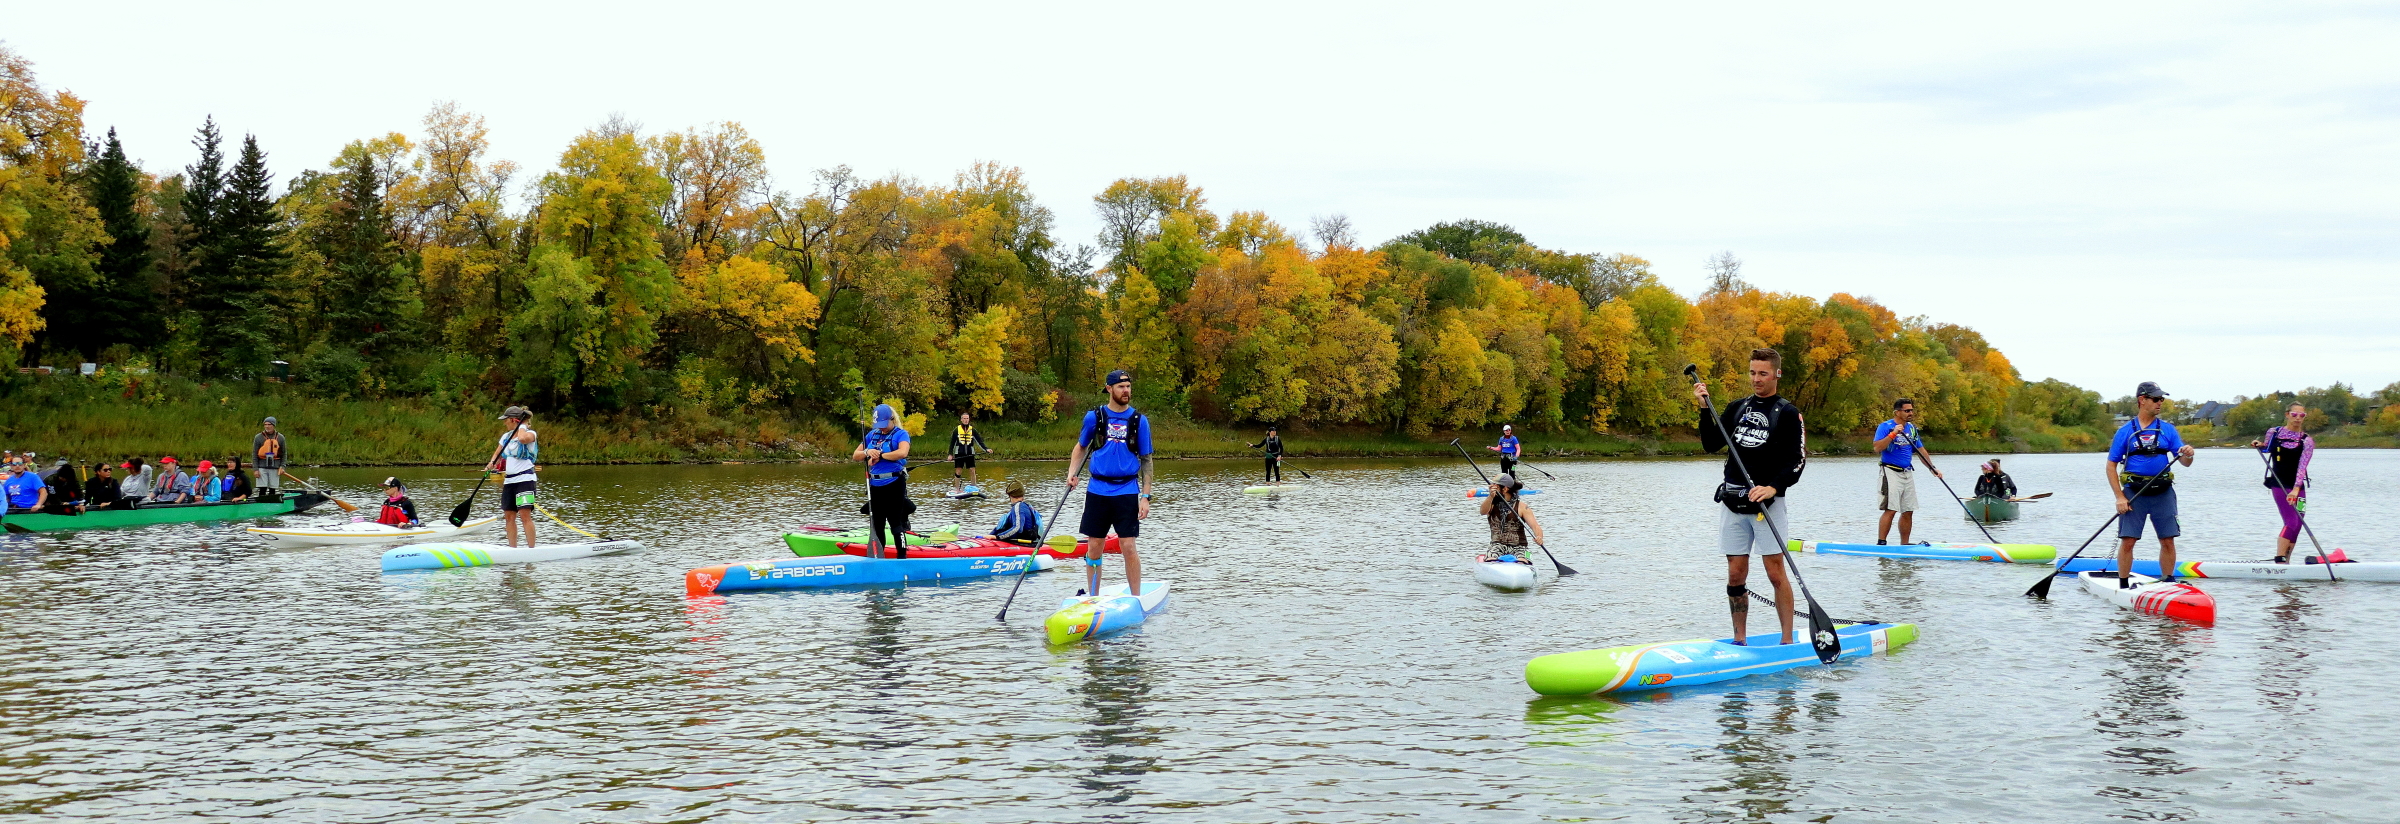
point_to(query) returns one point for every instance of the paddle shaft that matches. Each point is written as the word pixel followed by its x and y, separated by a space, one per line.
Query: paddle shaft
pixel 2322 558
pixel 1545 473
pixel 1962 502
pixel 1279 462
pixel 2042 589
pixel 1035 559
pixel 1563 569
pixel 345 505
pixel 1820 624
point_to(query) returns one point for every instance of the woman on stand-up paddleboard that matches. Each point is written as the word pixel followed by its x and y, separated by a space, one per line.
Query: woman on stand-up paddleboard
pixel 884 450
pixel 1117 440
pixel 1772 441
pixel 2146 448
pixel 1273 443
pixel 1508 530
pixel 2288 450
pixel 514 458
pixel 1896 439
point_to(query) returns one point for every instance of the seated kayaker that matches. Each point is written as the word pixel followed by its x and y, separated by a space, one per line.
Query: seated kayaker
pixel 1506 512
pixel 1021 524
pixel 398 510
pixel 1994 483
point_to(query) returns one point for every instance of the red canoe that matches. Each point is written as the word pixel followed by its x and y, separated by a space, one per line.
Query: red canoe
pixel 985 548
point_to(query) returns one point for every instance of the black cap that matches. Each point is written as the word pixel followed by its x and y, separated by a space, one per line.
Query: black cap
pixel 1117 377
pixel 2149 389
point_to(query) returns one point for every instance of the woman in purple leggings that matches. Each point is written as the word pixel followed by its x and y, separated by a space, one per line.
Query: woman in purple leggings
pixel 2288 449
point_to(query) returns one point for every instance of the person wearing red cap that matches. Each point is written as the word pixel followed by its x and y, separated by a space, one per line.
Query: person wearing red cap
pixel 174 487
pixel 137 485
pixel 207 488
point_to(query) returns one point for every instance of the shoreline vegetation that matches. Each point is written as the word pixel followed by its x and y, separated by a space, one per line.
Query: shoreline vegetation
pixel 655 296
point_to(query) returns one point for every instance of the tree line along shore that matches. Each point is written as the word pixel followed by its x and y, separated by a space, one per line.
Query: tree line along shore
pixel 659 295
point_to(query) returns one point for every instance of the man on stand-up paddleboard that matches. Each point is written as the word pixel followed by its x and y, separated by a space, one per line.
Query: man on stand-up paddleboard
pixel 1772 440
pixel 1118 442
pixel 2146 448
pixel 963 442
pixel 513 457
pixel 1897 440
pixel 1509 449
pixel 1274 446
pixel 884 449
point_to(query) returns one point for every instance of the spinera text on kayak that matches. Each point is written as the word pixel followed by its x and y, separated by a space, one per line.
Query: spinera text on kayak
pixel 1697 661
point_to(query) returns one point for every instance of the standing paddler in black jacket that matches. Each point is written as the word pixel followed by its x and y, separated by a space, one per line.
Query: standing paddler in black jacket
pixel 1274 446
pixel 1772 441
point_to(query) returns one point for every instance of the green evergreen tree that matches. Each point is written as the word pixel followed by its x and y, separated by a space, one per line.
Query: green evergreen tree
pixel 364 305
pixel 239 235
pixel 120 306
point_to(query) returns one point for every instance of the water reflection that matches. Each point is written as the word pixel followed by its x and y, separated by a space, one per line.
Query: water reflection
pixel 1571 722
pixel 1758 729
pixel 2143 711
pixel 1115 686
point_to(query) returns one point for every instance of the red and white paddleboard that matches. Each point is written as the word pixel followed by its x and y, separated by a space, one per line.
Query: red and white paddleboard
pixel 2180 601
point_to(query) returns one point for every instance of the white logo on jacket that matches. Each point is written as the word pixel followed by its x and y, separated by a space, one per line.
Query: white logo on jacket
pixel 1753 429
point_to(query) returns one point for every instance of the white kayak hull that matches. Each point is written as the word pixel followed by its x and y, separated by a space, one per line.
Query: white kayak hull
pixel 2178 600
pixel 462 554
pixel 359 533
pixel 1507 575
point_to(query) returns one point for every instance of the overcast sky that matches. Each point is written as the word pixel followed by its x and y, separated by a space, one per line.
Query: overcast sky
pixel 2199 194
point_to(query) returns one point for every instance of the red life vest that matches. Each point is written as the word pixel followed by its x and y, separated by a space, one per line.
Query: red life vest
pixel 392 514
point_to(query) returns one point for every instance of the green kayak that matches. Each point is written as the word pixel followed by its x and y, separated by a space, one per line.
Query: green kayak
pixel 813 541
pixel 1988 509
pixel 160 514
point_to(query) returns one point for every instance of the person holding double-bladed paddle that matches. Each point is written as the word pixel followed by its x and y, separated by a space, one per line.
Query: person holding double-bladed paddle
pixel 1768 452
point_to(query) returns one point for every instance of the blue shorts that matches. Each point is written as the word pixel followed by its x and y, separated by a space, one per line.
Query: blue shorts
pixel 2159 509
pixel 1121 512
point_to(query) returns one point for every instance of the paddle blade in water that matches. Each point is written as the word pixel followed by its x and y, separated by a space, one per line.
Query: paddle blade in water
pixel 2041 589
pixel 1821 634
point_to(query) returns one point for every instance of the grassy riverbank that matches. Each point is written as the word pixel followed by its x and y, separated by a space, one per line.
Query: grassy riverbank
pixel 85 420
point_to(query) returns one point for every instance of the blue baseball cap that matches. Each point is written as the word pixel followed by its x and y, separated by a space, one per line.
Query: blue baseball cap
pixel 1117 377
pixel 884 413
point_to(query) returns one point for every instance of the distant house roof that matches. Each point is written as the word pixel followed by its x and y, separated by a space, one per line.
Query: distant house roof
pixel 2211 411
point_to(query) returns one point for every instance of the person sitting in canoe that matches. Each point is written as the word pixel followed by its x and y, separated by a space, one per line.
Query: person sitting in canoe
pixel 66 490
pixel 963 442
pixel 174 487
pixel 236 484
pixel 1994 483
pixel 2288 449
pixel 136 486
pixel 1507 514
pixel 1509 449
pixel 1772 441
pixel 1273 443
pixel 2141 463
pixel 102 491
pixel 24 490
pixel 1021 524
pixel 207 485
pixel 397 510
pixel 1900 446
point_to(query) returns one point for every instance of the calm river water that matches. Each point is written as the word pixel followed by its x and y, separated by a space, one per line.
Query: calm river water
pixel 1326 658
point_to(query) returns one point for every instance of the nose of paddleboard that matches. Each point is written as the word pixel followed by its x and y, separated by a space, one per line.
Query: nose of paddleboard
pixel 1069 625
pixel 703 581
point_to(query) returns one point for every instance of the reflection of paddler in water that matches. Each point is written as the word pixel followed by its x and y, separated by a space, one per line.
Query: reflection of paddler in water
pixel 2289 618
pixel 1754 747
pixel 1115 687
pixel 2141 714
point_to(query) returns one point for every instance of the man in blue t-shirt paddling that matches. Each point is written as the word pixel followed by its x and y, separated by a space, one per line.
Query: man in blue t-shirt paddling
pixel 884 449
pixel 1510 450
pixel 1899 445
pixel 2141 463
pixel 1117 440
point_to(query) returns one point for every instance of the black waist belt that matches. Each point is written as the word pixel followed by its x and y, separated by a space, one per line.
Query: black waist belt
pixel 1901 468
pixel 1114 479
pixel 515 474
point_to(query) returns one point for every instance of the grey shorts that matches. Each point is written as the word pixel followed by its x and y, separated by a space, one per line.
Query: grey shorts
pixel 1746 534
pixel 2158 509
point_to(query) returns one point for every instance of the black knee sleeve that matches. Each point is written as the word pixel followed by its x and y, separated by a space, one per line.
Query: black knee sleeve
pixel 1736 590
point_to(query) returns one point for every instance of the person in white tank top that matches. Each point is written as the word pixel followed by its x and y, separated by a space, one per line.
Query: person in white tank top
pixel 516 459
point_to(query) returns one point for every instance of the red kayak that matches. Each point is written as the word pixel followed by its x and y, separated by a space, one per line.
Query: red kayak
pixel 988 548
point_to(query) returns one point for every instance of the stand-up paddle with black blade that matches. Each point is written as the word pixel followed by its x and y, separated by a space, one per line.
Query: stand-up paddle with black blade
pixel 1563 569
pixel 2322 558
pixel 1821 635
pixel 1545 474
pixel 2041 589
pixel 458 515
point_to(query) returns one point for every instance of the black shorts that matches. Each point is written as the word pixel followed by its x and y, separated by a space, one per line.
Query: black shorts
pixel 1122 512
pixel 962 462
pixel 516 495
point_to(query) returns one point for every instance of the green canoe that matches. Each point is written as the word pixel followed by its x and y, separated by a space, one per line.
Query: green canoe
pixel 1988 509
pixel 159 514
pixel 825 541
